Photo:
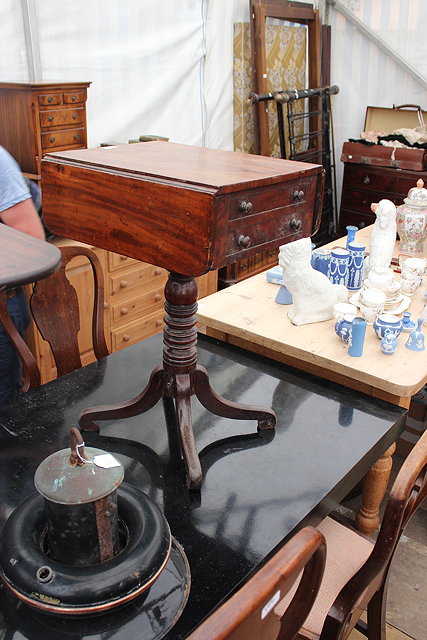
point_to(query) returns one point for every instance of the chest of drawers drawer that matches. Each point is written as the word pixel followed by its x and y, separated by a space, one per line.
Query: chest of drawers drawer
pixel 60 117
pixel 137 330
pixel 141 274
pixel 117 261
pixel 146 302
pixel 74 97
pixel 67 138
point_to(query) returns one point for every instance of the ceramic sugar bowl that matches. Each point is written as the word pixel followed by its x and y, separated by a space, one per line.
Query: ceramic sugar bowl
pixel 343 327
pixel 386 322
pixel 412 220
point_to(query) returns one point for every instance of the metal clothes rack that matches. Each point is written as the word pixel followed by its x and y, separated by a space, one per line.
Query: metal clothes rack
pixel 309 138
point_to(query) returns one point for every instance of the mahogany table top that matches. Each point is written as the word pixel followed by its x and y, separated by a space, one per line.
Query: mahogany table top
pixel 184 208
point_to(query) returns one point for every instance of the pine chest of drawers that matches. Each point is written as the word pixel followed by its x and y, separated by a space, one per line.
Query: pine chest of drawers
pixel 39 117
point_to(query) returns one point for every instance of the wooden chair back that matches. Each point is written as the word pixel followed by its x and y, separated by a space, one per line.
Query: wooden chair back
pixel 368 587
pixel 55 310
pixel 249 614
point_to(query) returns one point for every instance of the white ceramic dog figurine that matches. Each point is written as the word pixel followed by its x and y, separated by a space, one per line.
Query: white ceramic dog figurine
pixel 383 236
pixel 312 292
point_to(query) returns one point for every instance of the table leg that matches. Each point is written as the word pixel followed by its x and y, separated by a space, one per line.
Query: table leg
pixel 373 491
pixel 179 378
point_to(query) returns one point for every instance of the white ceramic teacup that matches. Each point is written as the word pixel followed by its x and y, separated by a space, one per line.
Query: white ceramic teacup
pixel 342 309
pixel 414 267
pixel 409 285
pixel 371 304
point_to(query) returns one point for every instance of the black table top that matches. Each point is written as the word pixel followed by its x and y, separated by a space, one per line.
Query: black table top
pixel 256 492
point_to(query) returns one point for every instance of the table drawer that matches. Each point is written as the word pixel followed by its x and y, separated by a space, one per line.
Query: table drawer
pixel 287 223
pixel 58 117
pixel 145 303
pixel 142 274
pixel 137 330
pixel 74 97
pixel 252 202
pixel 53 139
pixel 50 98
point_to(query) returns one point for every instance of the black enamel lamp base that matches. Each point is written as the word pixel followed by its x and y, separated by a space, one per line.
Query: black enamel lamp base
pixel 56 588
pixel 179 378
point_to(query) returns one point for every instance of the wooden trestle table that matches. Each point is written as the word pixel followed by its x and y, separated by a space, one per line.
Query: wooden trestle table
pixel 246 315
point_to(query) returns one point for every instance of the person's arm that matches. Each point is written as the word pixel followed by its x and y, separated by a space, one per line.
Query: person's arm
pixel 24 217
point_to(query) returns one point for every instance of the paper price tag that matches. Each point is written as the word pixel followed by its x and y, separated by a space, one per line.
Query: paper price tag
pixel 106 461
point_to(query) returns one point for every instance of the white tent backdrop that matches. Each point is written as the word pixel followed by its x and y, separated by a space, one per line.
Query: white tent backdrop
pixel 166 67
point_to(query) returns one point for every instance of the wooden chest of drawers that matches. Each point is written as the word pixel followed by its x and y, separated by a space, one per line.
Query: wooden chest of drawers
pixel 364 184
pixel 39 117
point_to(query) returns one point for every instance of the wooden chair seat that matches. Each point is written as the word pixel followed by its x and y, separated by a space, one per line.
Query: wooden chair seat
pixel 347 551
pixel 357 569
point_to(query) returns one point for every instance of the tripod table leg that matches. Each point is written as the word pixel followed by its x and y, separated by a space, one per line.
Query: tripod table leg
pixel 221 407
pixel 144 401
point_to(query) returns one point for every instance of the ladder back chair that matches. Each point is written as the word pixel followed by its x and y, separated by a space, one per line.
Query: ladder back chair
pixel 55 310
pixel 249 614
pixel 357 569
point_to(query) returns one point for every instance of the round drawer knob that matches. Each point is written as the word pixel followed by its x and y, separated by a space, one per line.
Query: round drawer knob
pixel 105 305
pixel 366 180
pixel 245 207
pixel 158 297
pixel 76 136
pixel 74 116
pixel 157 272
pixel 52 139
pixel 244 241
pixel 296 224
pixel 126 337
pixel 123 258
pixel 123 284
pixel 124 311
pixel 50 118
pixel 361 225
pixel 50 99
pixel 159 323
pixel 73 98
pixel 298 196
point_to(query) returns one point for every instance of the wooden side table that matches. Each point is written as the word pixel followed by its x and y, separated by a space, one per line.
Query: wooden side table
pixel 188 210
